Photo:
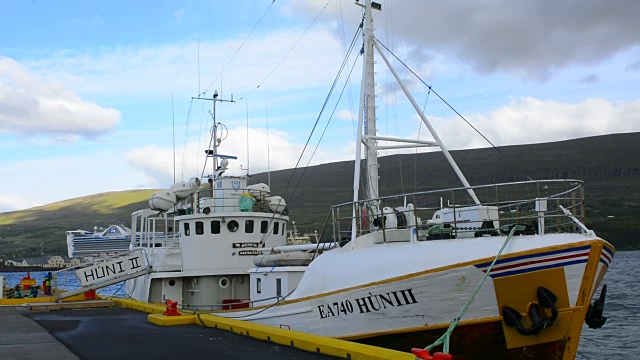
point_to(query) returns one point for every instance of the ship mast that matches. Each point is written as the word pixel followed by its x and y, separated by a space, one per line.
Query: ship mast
pixel 213 153
pixel 367 122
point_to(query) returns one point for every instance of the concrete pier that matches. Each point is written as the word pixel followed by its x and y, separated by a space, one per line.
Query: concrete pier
pixel 117 333
pixel 23 338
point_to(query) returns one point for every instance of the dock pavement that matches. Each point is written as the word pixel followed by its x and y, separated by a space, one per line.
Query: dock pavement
pixel 119 333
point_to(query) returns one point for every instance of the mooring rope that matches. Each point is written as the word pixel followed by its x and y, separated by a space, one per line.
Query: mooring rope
pixel 444 339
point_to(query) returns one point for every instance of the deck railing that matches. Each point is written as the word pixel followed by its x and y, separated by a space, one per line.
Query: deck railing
pixel 536 207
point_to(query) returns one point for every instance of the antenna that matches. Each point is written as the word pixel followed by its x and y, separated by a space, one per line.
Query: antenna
pixel 246 103
pixel 199 93
pixel 214 152
pixel 173 117
pixel 268 143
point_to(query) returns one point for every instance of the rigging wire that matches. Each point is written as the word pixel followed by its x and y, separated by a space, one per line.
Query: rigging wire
pixel 186 136
pixel 326 126
pixel 454 110
pixel 288 52
pixel 324 105
pixel 238 49
pixel 415 159
pixel 266 114
pixel 200 136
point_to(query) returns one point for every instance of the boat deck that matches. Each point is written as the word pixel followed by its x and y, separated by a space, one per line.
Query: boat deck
pixel 119 333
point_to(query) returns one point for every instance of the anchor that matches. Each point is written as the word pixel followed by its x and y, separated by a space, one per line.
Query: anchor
pixel 594 318
pixel 546 300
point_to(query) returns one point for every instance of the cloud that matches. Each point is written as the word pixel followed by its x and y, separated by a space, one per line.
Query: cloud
pixel 179 14
pixel 347 115
pixel 9 202
pixel 57 178
pixel 528 38
pixel 590 79
pixel 634 66
pixel 271 150
pixel 35 105
pixel 159 70
pixel 529 120
pixel 523 121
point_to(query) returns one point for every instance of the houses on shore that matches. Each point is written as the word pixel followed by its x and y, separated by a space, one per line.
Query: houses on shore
pixel 54 261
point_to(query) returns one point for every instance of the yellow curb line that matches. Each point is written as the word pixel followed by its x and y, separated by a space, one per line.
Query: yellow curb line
pixel 303 341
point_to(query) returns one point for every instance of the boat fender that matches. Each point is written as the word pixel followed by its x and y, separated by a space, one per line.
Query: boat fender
pixel 546 300
pixel 594 318
pixel 423 354
pixel 172 308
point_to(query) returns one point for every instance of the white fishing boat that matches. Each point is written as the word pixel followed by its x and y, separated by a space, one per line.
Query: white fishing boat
pixel 511 265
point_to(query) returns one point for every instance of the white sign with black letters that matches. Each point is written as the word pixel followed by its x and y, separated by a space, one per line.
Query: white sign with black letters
pixel 110 269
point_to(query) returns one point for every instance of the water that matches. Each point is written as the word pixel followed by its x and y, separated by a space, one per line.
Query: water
pixel 66 281
pixel 618 339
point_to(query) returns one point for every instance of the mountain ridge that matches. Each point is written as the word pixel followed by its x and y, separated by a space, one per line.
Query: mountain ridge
pixel 608 164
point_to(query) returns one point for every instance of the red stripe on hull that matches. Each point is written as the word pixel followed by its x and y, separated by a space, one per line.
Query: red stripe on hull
pixel 505 267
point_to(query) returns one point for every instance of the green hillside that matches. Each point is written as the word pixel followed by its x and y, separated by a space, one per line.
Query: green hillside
pixel 609 165
pixel 41 230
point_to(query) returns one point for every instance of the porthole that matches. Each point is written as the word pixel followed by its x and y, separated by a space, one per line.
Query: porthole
pixel 172 282
pixel 224 282
pixel 233 226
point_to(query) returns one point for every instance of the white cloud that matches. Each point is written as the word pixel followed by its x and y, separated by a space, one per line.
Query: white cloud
pixel 273 150
pixel 346 115
pixel 528 120
pixel 10 202
pixel 158 71
pixel 49 179
pixel 179 15
pixel 34 105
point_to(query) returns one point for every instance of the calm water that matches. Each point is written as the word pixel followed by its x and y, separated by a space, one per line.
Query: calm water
pixel 618 339
pixel 66 281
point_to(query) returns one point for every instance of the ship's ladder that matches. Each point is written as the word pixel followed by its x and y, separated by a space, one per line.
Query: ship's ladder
pixel 101 273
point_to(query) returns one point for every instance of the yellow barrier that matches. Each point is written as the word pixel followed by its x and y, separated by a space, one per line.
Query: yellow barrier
pixel 24 301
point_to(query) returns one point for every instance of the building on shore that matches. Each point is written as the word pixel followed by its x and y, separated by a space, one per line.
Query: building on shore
pixel 54 261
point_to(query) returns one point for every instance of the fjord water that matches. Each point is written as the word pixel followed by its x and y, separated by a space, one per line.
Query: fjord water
pixel 618 339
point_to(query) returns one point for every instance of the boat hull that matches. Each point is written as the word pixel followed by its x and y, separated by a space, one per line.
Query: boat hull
pixel 415 309
pixel 485 340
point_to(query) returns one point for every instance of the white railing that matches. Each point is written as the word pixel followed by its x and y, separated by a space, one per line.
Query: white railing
pixel 536 207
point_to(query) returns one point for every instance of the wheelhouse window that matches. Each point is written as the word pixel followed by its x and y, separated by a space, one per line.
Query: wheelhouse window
pixel 187 231
pixel 248 226
pixel 284 226
pixel 215 227
pixel 259 285
pixel 276 227
pixel 199 228
pixel 264 227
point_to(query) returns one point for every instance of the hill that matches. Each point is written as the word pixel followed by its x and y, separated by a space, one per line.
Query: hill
pixel 609 165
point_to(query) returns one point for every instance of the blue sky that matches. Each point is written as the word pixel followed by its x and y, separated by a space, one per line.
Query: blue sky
pixel 86 88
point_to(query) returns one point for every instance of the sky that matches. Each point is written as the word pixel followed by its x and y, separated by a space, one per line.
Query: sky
pixel 97 96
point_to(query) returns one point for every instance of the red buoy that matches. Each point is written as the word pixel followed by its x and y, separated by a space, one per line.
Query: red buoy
pixel 172 308
pixel 424 355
